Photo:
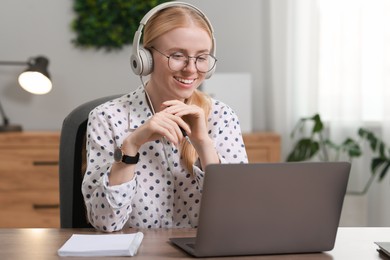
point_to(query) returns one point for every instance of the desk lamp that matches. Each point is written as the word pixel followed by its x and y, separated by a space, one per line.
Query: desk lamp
pixel 35 79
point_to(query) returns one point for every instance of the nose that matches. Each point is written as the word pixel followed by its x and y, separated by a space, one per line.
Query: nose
pixel 191 66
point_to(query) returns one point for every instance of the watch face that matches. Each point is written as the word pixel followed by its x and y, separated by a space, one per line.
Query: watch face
pixel 118 155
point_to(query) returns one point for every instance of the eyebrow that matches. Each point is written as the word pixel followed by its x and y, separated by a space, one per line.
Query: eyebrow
pixel 185 51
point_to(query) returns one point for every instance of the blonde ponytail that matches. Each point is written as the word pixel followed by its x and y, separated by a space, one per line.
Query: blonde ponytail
pixel 188 152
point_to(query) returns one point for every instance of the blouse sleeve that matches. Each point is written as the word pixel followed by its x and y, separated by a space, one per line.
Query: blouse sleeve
pixel 108 207
pixel 224 129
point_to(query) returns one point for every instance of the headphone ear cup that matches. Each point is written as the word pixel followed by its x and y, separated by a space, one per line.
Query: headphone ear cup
pixel 210 73
pixel 147 61
pixel 135 64
pixel 142 64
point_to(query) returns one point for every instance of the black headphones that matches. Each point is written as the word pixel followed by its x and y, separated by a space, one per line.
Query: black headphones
pixel 141 60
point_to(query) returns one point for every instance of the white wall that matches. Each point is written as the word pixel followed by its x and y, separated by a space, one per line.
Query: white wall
pixel 30 28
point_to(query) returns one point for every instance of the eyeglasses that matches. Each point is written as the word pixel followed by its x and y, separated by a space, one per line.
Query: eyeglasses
pixel 178 61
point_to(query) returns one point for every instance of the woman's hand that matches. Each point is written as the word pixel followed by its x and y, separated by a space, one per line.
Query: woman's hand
pixel 193 116
pixel 196 119
pixel 162 124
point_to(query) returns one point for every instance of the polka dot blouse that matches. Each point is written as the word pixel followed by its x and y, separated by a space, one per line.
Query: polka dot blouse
pixel 162 193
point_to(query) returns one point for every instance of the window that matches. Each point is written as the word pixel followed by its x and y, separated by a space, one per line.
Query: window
pixel 354 58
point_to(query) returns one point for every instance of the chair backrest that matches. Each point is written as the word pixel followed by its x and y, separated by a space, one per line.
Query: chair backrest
pixel 72 156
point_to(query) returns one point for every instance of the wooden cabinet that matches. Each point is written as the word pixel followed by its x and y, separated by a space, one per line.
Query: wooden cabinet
pixel 29 186
pixel 262 147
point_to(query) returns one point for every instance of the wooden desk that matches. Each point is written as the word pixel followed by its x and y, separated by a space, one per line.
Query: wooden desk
pixel 351 243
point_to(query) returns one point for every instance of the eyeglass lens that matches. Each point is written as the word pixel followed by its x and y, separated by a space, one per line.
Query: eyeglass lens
pixel 203 63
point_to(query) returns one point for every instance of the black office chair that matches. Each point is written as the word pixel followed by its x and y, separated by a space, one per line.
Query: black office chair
pixel 72 164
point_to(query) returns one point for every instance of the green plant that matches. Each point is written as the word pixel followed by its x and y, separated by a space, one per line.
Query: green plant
pixel 316 144
pixel 108 24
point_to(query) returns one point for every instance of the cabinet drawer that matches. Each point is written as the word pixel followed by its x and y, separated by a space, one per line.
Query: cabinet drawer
pixel 29 170
pixel 258 155
pixel 29 209
pixel 36 179
pixel 262 147
pixel 26 158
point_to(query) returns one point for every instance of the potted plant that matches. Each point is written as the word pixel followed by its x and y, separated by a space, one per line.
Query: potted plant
pixel 316 144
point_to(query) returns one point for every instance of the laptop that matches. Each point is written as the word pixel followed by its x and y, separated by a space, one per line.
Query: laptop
pixel 384 248
pixel 268 208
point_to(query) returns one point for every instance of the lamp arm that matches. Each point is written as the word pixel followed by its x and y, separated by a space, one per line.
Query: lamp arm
pixel 11 63
pixel 5 118
pixel 2 112
pixel 6 127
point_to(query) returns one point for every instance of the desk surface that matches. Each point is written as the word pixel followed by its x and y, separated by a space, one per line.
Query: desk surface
pixel 351 243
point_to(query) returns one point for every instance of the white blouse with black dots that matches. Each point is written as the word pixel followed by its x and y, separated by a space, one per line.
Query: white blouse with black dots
pixel 162 193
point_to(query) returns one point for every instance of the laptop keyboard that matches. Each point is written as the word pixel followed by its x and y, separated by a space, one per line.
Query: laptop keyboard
pixel 191 245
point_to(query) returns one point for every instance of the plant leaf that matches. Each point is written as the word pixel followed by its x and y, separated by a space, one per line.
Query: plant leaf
pixel 303 150
pixel 382 149
pixel 352 147
pixel 370 137
pixel 384 170
pixel 318 125
pixel 376 163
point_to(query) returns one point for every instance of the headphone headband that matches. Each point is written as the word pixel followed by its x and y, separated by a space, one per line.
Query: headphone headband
pixel 141 60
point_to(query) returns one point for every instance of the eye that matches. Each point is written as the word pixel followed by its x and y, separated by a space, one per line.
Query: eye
pixel 202 58
pixel 178 56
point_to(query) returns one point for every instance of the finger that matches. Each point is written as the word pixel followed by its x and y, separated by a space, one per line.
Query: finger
pixel 172 103
pixel 170 130
pixel 174 106
pixel 184 128
pixel 174 128
pixel 182 125
pixel 183 109
pixel 174 109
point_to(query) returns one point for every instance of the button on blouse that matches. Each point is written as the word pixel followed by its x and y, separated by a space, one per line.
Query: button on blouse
pixel 162 193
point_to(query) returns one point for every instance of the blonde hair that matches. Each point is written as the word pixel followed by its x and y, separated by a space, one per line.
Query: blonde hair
pixel 171 18
pixel 188 152
pixel 161 23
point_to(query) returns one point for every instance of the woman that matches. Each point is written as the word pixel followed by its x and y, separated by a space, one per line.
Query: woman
pixel 162 135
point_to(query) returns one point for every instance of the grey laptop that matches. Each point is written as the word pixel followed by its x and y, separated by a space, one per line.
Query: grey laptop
pixel 384 248
pixel 268 208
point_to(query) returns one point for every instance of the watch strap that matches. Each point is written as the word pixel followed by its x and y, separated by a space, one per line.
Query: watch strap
pixel 130 159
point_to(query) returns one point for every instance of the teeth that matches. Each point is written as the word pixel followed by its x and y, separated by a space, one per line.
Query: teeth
pixel 185 81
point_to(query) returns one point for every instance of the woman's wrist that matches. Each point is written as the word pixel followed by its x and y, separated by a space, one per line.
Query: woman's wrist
pixel 207 152
pixel 129 147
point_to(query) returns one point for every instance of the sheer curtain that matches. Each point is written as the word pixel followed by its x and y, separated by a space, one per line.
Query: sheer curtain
pixel 333 57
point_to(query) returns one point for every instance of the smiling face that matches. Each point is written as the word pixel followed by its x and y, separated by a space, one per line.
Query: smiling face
pixel 167 84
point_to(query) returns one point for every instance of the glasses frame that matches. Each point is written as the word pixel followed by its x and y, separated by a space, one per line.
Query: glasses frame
pixel 188 60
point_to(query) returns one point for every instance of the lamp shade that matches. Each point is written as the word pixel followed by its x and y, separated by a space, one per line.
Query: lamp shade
pixel 36 78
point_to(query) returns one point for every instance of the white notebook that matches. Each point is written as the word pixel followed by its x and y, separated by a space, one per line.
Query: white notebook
pixel 102 245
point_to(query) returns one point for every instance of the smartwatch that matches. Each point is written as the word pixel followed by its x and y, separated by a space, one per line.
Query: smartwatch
pixel 119 156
